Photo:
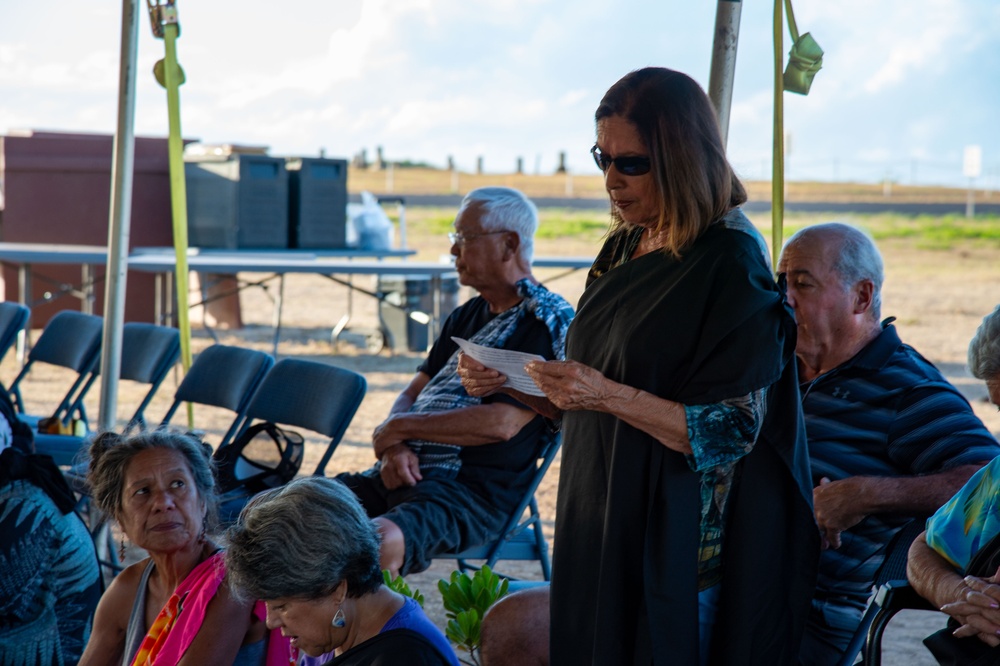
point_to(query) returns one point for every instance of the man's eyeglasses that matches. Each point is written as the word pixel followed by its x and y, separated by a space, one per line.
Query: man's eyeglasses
pixel 461 239
pixel 627 166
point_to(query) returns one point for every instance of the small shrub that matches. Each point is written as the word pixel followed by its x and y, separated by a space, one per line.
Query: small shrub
pixel 399 585
pixel 466 601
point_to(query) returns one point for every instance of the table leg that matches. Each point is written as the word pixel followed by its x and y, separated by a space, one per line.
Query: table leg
pixel 432 326
pixel 158 299
pixel 86 275
pixel 278 303
pixel 24 292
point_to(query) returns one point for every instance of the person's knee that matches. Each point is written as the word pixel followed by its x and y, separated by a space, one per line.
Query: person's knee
pixel 516 629
pixel 392 552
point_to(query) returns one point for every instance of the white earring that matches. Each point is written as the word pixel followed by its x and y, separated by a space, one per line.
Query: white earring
pixel 339 620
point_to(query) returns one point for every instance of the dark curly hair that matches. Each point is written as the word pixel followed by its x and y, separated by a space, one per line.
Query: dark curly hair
pixel 111 453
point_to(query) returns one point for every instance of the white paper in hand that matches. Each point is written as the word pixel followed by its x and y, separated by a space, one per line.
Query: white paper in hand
pixel 506 362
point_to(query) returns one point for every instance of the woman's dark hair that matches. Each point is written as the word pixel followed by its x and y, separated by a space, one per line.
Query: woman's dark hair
pixel 301 540
pixel 111 453
pixel 676 121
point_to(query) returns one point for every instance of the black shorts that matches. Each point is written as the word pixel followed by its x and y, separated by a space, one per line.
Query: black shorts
pixel 435 516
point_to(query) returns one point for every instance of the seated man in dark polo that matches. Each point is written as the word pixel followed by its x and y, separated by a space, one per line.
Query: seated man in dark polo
pixel 452 467
pixel 889 437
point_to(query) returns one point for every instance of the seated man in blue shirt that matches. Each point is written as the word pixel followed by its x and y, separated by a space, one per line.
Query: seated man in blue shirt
pixel 889 437
pixel 453 467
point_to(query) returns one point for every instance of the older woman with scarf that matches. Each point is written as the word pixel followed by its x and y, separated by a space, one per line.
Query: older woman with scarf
pixel 174 607
pixel 684 527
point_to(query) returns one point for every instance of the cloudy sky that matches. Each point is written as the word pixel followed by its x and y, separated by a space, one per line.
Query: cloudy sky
pixel 906 84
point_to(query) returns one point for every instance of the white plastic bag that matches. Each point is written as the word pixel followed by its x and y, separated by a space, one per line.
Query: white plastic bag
pixel 373 230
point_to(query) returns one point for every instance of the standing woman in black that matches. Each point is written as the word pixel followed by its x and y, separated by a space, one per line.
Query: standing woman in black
pixel 684 524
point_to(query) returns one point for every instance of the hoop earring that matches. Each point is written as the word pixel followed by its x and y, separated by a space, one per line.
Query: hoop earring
pixel 339 620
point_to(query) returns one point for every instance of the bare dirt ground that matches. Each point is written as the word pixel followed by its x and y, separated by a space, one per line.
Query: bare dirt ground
pixel 938 296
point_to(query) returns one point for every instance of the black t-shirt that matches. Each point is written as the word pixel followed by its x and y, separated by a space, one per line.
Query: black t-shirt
pixel 503 468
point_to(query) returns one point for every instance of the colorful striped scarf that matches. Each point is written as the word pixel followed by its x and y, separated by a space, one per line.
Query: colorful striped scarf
pixel 175 627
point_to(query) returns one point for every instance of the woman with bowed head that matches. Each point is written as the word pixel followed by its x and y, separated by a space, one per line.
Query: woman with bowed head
pixel 174 607
pixel 311 553
pixel 684 526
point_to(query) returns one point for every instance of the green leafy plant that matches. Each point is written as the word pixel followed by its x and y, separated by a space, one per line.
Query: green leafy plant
pixel 466 601
pixel 399 585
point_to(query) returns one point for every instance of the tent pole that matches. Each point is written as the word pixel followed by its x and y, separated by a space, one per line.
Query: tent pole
pixel 120 222
pixel 723 69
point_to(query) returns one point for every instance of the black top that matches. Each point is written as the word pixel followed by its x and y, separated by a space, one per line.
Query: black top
pixel 710 326
pixel 396 647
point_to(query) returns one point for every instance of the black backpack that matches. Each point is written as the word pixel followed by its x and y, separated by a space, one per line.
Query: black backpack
pixel 263 457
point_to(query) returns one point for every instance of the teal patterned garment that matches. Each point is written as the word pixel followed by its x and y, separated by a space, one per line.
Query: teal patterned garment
pixel 969 519
pixel 49 579
pixel 720 435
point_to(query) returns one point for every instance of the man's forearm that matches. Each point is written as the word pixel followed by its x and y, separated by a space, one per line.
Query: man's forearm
pixel 912 494
pixel 466 426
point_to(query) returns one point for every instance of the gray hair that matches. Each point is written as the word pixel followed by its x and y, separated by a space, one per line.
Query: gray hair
pixel 506 209
pixel 111 453
pixel 857 258
pixel 984 350
pixel 301 540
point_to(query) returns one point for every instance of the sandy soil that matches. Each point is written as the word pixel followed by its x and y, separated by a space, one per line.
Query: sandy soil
pixel 938 297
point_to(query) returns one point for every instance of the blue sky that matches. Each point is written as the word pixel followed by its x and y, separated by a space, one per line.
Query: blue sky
pixel 906 84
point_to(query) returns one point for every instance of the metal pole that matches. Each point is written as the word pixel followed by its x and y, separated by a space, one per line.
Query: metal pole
pixel 120 222
pixel 723 69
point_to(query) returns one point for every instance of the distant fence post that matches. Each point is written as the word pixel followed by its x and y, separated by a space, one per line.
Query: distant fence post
pixel 562 162
pixel 479 165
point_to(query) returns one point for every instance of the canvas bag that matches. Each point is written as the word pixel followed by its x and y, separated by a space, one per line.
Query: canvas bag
pixel 263 457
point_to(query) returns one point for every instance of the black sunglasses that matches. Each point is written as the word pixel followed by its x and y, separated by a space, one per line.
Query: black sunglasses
pixel 627 166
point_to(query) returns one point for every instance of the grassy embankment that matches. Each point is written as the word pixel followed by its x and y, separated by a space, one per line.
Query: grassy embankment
pixel 582 229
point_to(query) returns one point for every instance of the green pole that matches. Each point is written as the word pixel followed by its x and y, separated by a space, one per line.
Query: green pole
pixel 173 77
pixel 778 148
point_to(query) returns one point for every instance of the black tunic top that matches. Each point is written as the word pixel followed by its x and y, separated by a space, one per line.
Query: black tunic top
pixel 711 326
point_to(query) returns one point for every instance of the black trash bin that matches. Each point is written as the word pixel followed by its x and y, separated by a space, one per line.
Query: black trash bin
pixel 407 304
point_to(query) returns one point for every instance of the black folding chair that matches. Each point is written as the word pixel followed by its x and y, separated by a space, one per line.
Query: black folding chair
pixel 70 340
pixel 302 394
pixel 225 377
pixel 13 319
pixel 148 353
pixel 522 537
pixel 308 394
pixel 893 594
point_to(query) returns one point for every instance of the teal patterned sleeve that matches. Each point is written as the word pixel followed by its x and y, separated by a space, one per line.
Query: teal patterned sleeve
pixel 969 519
pixel 723 432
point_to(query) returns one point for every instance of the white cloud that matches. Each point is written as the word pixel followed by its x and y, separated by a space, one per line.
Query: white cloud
pixel 507 78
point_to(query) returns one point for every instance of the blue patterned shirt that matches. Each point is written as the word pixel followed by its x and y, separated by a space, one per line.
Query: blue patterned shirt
pixel 969 520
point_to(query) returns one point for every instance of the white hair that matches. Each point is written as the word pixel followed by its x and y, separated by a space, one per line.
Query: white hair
pixel 857 258
pixel 984 350
pixel 506 209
